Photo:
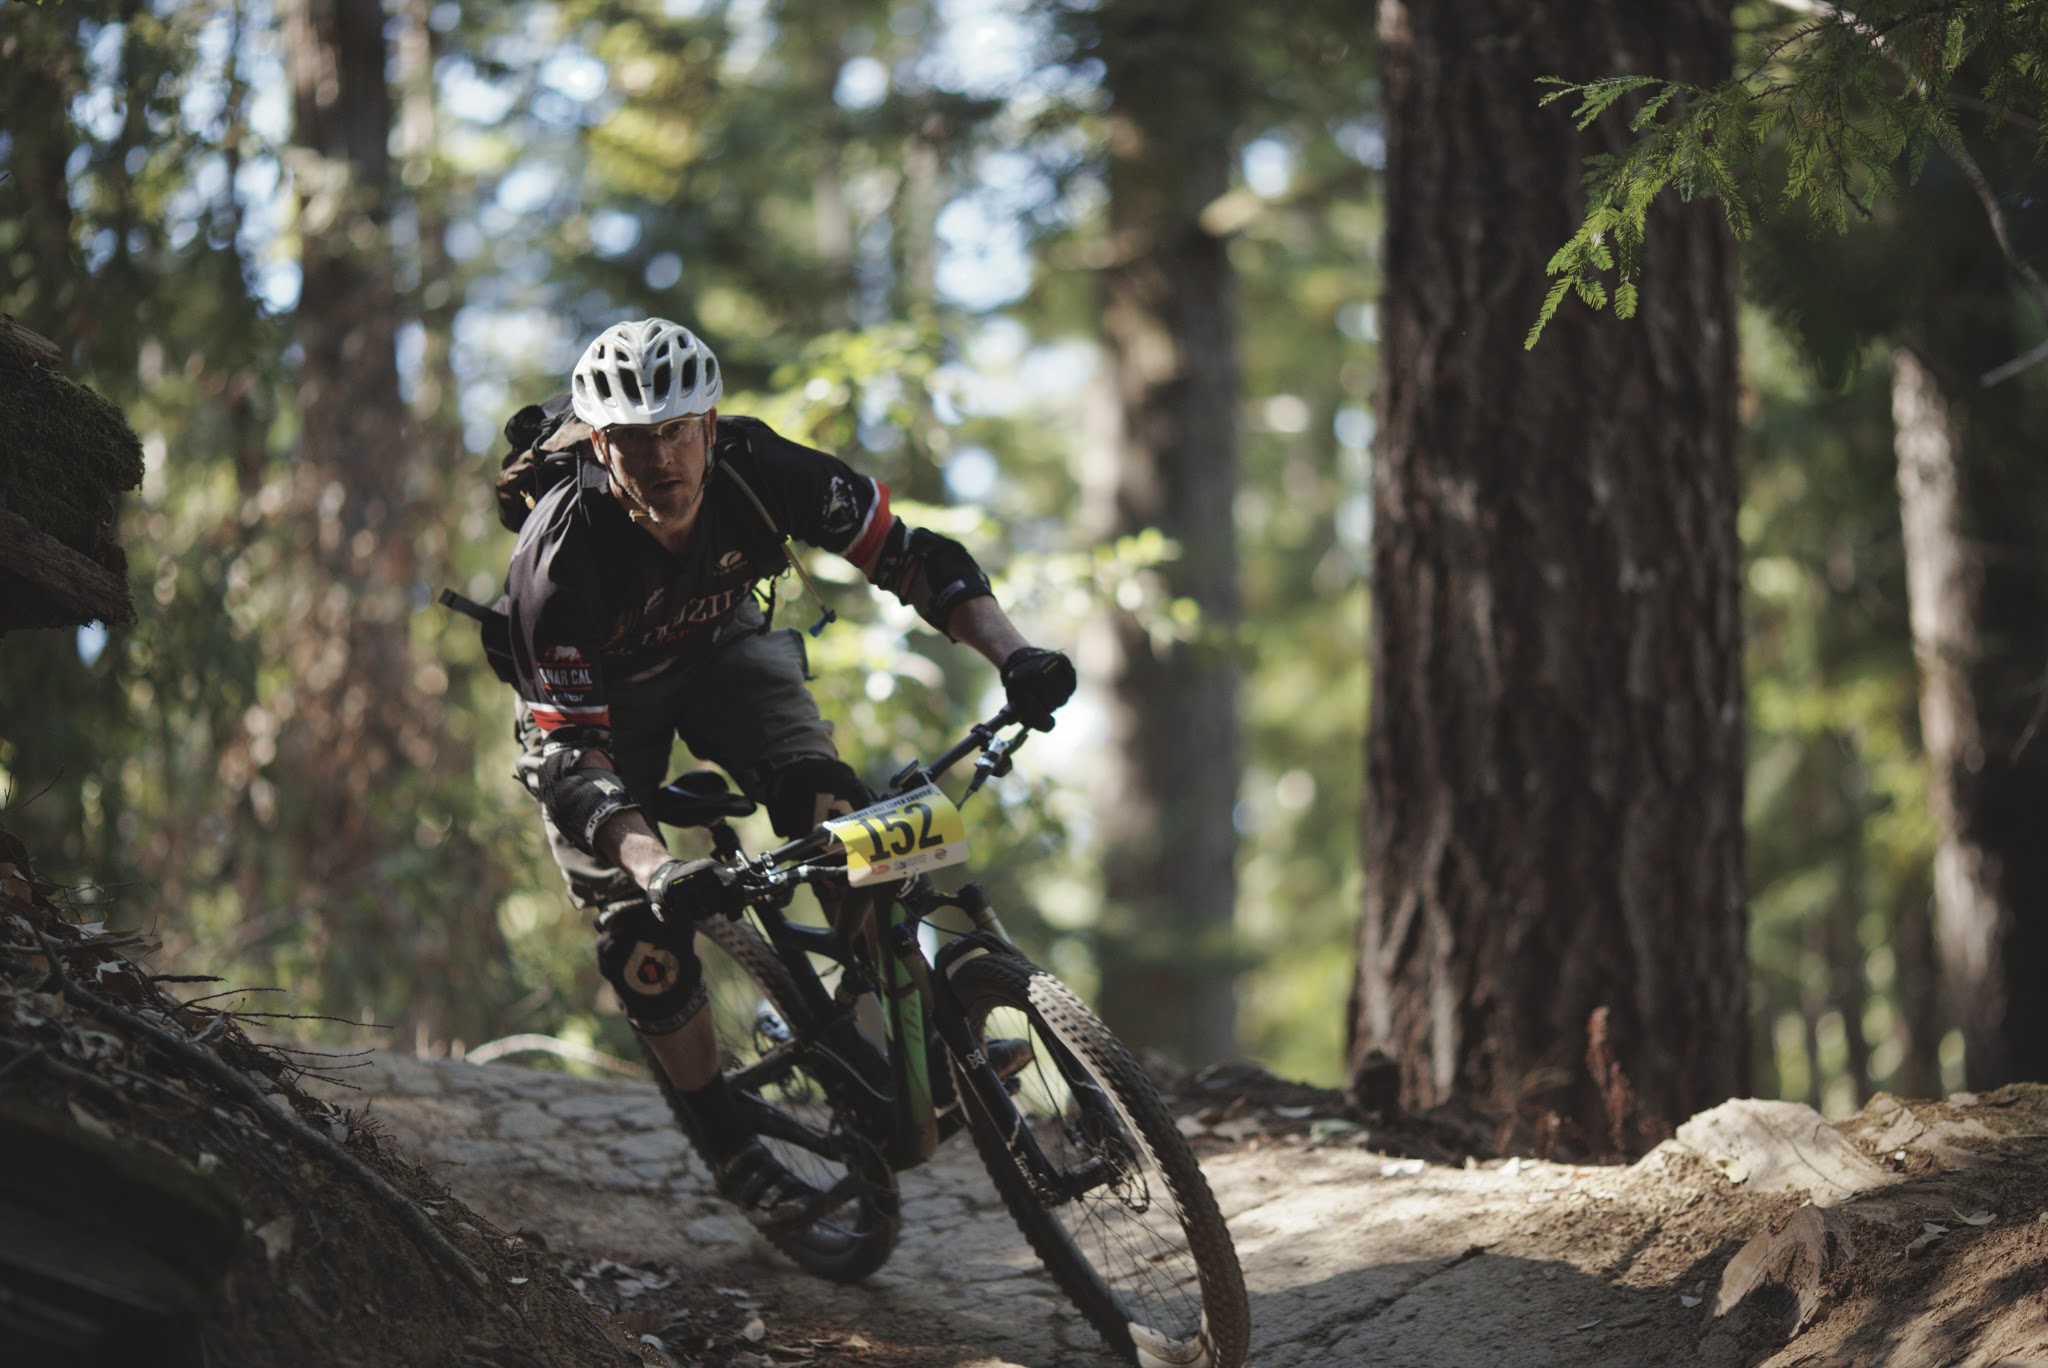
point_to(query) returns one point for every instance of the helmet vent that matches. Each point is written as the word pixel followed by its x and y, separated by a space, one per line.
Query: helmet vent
pixel 644 373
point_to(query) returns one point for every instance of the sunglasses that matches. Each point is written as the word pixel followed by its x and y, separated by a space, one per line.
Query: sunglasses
pixel 644 439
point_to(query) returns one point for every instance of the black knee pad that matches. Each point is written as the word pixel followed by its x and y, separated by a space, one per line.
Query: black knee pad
pixel 652 965
pixel 800 793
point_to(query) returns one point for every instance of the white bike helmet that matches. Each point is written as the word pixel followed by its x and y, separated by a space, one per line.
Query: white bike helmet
pixel 644 373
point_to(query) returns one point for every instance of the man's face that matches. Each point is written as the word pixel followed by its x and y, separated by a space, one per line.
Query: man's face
pixel 660 469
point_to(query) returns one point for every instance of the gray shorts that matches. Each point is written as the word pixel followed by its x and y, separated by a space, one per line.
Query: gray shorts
pixel 740 704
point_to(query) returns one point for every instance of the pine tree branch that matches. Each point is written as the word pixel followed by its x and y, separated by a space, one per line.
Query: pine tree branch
pixel 1960 155
pixel 2004 116
pixel 1827 146
pixel 2025 361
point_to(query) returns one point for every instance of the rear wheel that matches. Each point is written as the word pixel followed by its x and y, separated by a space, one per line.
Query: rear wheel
pixel 798 1101
pixel 1122 1217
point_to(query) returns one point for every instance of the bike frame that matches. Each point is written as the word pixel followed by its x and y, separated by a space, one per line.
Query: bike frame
pixel 875 941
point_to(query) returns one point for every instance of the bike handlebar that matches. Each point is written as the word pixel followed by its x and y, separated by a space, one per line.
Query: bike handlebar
pixel 994 762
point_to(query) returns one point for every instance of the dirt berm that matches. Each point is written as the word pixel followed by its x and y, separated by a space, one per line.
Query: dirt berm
pixel 174 1188
pixel 1910 1235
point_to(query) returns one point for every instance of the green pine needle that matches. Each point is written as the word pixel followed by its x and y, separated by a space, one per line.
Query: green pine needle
pixel 1841 101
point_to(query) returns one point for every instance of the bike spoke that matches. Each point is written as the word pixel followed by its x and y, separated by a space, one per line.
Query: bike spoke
pixel 1135 1243
pixel 1103 1187
pixel 777 1070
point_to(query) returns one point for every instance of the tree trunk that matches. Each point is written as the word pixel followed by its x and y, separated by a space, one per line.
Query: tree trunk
pixel 1169 320
pixel 436 415
pixel 1554 756
pixel 1918 996
pixel 462 1000
pixel 921 192
pixel 1845 912
pixel 358 727
pixel 44 61
pixel 1977 606
pixel 818 50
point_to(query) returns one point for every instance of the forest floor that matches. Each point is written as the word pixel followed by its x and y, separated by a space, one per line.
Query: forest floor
pixel 1909 1235
pixel 436 1212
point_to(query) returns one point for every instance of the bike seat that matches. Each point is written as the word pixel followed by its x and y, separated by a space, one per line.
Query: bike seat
pixel 699 798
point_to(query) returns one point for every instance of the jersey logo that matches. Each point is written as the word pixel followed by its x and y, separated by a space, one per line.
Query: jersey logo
pixel 563 670
pixel 840 510
pixel 732 560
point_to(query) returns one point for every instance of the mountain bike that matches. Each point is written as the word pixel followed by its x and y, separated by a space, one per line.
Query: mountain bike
pixel 856 1045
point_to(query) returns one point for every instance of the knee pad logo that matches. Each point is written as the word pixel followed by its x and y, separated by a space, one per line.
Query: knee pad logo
pixel 651 970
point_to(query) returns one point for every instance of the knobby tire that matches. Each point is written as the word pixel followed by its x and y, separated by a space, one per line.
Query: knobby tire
pixel 797 1104
pixel 1144 1252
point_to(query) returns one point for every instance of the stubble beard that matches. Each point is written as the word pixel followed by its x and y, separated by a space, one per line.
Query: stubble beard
pixel 643 508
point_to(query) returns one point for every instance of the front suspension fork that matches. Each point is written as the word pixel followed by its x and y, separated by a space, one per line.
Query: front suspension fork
pixel 986 1090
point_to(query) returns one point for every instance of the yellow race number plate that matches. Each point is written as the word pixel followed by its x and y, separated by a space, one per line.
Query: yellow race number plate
pixel 902 835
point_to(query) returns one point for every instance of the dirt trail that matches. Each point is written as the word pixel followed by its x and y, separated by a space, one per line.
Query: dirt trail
pixel 1352 1256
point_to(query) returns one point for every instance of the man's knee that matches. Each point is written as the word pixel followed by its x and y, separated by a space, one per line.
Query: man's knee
pixel 802 793
pixel 652 965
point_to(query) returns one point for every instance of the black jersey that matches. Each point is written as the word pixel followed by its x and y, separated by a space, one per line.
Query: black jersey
pixel 591 596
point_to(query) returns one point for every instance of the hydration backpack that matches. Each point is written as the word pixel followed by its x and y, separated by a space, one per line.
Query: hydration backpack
pixel 549 444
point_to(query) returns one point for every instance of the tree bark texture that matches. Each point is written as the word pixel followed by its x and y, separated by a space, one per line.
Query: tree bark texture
pixel 1845 949
pixel 361 734
pixel 44 62
pixel 467 999
pixel 1975 581
pixel 1170 328
pixel 1555 751
pixel 1918 994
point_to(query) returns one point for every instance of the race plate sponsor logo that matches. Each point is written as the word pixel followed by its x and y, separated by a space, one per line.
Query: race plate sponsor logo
pixel 573 680
pixel 903 835
pixel 563 670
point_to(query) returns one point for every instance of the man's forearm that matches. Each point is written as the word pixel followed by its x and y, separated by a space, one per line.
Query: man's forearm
pixel 982 624
pixel 628 840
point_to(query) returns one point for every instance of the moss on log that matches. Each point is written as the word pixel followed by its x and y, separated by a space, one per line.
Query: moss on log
pixel 66 455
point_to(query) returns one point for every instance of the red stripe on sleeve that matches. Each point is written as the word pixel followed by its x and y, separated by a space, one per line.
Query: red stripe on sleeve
pixel 548 718
pixel 867 543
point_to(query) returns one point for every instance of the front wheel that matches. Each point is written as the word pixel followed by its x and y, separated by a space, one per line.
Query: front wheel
pixel 798 1094
pixel 1118 1211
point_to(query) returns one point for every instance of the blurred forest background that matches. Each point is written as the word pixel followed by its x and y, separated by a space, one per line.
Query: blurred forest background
pixel 319 251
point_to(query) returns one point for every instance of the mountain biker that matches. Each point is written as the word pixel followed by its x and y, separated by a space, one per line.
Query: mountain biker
pixel 633 621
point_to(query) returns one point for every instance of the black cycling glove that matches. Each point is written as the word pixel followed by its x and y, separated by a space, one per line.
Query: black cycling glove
pixel 685 892
pixel 1037 682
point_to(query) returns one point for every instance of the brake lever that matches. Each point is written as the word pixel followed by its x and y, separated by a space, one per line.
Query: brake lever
pixel 994 761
